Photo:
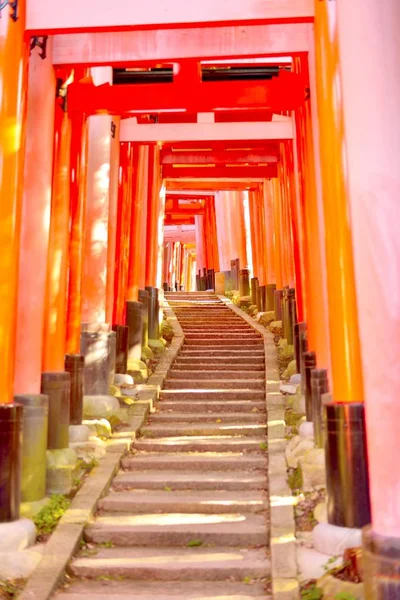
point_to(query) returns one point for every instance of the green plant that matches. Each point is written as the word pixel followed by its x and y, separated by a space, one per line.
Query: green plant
pixel 312 593
pixel 10 588
pixel 194 543
pixel 247 580
pixel 107 544
pixel 47 518
pixel 345 596
pixel 330 562
pixel 263 446
pixel 295 479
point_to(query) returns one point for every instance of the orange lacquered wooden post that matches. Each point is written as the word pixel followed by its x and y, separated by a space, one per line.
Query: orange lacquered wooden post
pixel 78 182
pixel 269 231
pixel 125 186
pixel 54 345
pixel 276 205
pixel 35 224
pixel 343 320
pixel 138 233
pixel 317 329
pixel 13 85
pixel 254 234
pixel 261 236
pixel 153 215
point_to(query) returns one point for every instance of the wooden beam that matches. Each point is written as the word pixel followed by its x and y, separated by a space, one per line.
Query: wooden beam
pixel 170 171
pixel 265 130
pixel 219 158
pixel 211 184
pixel 126 48
pixel 187 93
pixel 50 16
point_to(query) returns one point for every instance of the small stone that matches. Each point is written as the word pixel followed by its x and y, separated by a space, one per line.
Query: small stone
pixel 290 370
pixel 99 427
pixel 100 406
pixel 78 433
pixel 267 318
pixel 114 391
pixel 286 388
pixel 296 449
pixel 17 535
pixel 334 540
pixel 312 466
pixel 276 327
pixel 147 353
pixel 157 344
pixel 306 429
pixel 122 379
pixel 299 403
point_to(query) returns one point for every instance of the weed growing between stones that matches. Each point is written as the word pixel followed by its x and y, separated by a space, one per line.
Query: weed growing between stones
pixel 295 481
pixel 10 589
pixel 48 517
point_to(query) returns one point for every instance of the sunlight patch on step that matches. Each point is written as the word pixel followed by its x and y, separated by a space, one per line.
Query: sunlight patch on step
pixel 170 519
pixel 276 501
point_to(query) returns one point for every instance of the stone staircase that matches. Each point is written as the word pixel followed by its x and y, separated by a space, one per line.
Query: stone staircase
pixel 187 516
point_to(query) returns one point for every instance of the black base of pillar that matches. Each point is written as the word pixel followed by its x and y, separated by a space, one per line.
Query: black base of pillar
pixel 310 362
pixel 34 445
pixel 154 313
pixel 74 365
pixel 346 465
pixel 244 285
pixel 254 285
pixel 381 566
pixel 134 322
pixel 144 298
pixel 270 298
pixel 57 387
pixel 319 386
pixel 11 423
pixel 121 351
pixel 297 330
pixel 278 305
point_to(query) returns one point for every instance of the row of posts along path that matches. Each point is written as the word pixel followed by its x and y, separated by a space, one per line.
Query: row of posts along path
pixel 187 515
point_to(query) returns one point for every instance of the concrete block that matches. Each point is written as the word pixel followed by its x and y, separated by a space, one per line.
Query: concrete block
pixel 283 556
pixel 285 589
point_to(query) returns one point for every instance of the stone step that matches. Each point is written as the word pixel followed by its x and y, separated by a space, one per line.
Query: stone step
pixel 228 341
pixel 182 373
pixel 215 406
pixel 223 362
pixel 202 461
pixel 224 351
pixel 208 417
pixel 207 502
pixel 213 365
pixel 186 564
pixel 190 480
pixel 214 384
pixel 201 394
pixel 157 430
pixel 215 335
pixel 201 444
pixel 217 328
pixel 143 590
pixel 179 529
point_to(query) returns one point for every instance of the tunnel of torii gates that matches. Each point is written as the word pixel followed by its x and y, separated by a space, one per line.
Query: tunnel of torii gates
pixel 271 127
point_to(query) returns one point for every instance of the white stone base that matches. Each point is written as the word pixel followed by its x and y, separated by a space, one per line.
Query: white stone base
pixel 334 540
pixel 17 535
pixel 296 449
pixel 16 565
pixel 306 430
pixel 30 509
pixel 100 406
pixel 78 433
pixel 123 379
pixel 313 564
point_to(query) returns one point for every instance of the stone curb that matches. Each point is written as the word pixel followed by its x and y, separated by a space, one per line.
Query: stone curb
pixel 68 534
pixel 285 585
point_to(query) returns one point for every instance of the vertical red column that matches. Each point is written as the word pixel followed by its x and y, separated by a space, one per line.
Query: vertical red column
pixel 154 208
pixel 137 250
pixel 125 187
pixel 78 182
pixel 13 85
pixel 35 224
pixel 54 333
